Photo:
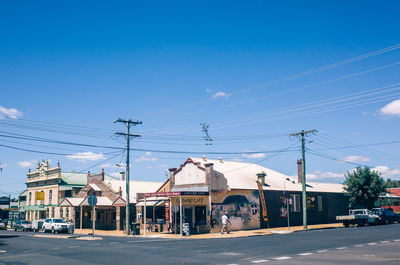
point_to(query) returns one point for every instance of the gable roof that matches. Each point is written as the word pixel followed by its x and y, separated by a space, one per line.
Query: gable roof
pixel 240 175
pixel 134 187
pixel 73 178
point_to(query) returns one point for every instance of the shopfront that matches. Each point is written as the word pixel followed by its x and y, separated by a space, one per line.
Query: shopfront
pixel 166 208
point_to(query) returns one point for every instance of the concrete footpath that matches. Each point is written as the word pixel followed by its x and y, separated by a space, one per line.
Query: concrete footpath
pixel 240 233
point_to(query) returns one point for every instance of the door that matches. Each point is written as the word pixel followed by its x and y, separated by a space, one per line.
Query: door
pixel 188 216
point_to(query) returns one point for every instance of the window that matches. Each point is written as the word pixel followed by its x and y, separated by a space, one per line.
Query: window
pixel 52 212
pixel 295 206
pixel 50 196
pixel 67 212
pixel 319 203
pixel 30 198
pixel 61 212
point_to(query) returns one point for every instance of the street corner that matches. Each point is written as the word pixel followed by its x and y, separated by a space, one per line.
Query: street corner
pixel 89 238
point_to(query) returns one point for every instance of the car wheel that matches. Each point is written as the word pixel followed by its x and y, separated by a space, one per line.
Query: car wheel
pixel 346 224
pixel 15 229
pixel 376 222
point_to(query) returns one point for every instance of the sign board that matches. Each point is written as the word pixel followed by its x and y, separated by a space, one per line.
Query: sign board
pixel 191 200
pixel 175 208
pixel 39 195
pixel 161 194
pixel 92 200
pixel 5 200
pixel 167 212
pixel 186 229
pixel 283 206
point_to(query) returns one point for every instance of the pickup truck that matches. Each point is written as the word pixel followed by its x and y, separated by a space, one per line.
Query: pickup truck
pixel 358 217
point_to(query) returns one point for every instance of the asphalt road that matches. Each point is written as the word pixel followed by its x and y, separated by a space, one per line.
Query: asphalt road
pixel 364 245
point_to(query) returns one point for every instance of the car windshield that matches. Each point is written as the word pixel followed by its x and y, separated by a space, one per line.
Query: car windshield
pixel 58 221
pixel 25 222
pixel 376 211
pixel 358 212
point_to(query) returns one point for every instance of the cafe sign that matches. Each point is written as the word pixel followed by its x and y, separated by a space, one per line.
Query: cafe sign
pixel 191 200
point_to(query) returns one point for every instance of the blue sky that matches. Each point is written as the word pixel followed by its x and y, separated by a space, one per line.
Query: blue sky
pixel 174 65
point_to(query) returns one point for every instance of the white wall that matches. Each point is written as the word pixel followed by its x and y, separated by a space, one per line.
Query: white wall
pixel 190 174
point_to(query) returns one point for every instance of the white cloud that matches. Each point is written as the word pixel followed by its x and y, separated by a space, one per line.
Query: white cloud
pixel 354 159
pixel 251 156
pixel 3 165
pixel 208 90
pixel 388 172
pixel 10 113
pixel 115 174
pixel 393 108
pixel 146 157
pixel 108 165
pixel 318 175
pixel 25 164
pixel 220 94
pixel 236 159
pixel 86 156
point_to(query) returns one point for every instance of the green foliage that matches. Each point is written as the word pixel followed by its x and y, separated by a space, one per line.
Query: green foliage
pixel 363 187
pixel 392 183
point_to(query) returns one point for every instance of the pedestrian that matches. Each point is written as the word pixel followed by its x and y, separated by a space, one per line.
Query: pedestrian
pixel 225 221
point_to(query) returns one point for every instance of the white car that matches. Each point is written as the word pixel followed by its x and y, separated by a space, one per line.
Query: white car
pixel 55 225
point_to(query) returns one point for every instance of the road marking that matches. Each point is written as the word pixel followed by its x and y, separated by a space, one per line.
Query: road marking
pixel 114 242
pixel 341 248
pixel 384 242
pixel 73 246
pixel 305 254
pixel 282 258
pixel 372 243
pixel 396 240
pixel 97 244
pixel 54 248
pixel 322 251
pixel 358 246
pixel 259 261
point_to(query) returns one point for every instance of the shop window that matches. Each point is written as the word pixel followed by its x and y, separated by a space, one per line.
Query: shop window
pixel 295 206
pixel 319 203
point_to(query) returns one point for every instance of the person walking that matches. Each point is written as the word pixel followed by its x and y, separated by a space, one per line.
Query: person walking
pixel 225 221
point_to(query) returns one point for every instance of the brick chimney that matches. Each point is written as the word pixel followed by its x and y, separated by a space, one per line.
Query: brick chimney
pixel 209 168
pixel 171 176
pixel 122 177
pixel 300 170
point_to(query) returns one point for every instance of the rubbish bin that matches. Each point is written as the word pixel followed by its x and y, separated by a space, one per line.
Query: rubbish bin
pixel 136 228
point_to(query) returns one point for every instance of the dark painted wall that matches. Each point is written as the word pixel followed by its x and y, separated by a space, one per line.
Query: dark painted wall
pixel 333 204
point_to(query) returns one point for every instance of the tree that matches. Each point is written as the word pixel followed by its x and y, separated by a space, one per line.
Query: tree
pixel 363 187
pixel 392 183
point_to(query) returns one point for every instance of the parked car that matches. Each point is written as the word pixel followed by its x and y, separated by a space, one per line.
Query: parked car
pixel 2 225
pixel 55 225
pixel 37 225
pixel 359 217
pixel 396 217
pixel 22 225
pixel 386 216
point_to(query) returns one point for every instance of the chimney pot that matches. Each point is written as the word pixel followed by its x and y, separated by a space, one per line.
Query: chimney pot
pixel 204 158
pixel 261 177
pixel 220 159
pixel 122 177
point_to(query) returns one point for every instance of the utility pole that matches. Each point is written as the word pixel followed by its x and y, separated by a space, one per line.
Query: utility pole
pixel 128 124
pixel 302 134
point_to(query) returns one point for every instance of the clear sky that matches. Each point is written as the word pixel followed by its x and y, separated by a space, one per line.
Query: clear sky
pixel 255 71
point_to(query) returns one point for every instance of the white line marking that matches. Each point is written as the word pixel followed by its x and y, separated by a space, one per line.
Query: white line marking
pixel 114 242
pixel 372 243
pixel 305 254
pixel 282 258
pixel 341 248
pixel 396 240
pixel 97 244
pixel 259 261
pixel 383 242
pixel 358 246
pixel 54 248
pixel 322 251
pixel 73 246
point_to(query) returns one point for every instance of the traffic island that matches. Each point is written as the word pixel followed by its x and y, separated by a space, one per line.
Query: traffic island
pixel 89 238
pixel 57 236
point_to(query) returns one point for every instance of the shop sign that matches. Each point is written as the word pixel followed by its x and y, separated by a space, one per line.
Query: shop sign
pixel 39 195
pixel 161 194
pixel 167 213
pixel 192 200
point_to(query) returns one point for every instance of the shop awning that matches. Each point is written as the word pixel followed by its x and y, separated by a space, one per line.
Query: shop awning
pixel 34 208
pixel 148 203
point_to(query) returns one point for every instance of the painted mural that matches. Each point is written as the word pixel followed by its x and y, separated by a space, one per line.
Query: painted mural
pixel 243 210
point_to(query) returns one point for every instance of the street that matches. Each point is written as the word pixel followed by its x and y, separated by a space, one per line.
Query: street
pixel 365 245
